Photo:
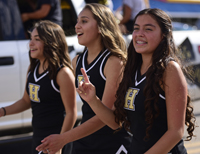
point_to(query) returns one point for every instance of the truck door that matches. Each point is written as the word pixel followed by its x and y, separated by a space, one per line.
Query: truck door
pixel 9 82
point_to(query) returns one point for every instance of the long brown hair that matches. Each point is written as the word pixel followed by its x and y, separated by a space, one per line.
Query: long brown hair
pixel 55 47
pixel 154 76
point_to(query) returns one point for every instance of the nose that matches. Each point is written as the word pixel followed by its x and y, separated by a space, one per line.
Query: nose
pixel 77 25
pixel 31 43
pixel 138 33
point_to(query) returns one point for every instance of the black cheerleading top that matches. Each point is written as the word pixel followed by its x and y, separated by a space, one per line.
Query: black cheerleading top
pixel 95 74
pixel 46 103
pixel 103 141
pixel 134 106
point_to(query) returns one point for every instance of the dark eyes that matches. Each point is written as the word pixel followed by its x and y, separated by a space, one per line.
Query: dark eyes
pixel 137 28
pixel 37 39
pixel 83 21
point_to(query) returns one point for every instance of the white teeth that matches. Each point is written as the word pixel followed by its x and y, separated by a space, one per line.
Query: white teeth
pixel 140 42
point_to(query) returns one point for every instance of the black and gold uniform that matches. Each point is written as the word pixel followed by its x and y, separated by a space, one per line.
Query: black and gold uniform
pixel 134 105
pixel 104 141
pixel 47 106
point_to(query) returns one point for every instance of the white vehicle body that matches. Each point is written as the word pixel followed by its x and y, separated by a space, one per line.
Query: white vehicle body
pixel 14 62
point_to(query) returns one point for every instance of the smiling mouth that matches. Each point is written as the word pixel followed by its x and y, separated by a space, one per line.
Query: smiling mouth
pixel 79 34
pixel 141 42
pixel 33 49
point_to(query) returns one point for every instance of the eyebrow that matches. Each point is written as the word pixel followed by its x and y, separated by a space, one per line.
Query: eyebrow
pixel 83 17
pixel 34 36
pixel 145 25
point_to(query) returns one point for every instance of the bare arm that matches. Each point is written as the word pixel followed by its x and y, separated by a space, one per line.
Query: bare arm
pixel 176 99
pixel 39 14
pixel 112 72
pixel 88 93
pixel 126 14
pixel 66 82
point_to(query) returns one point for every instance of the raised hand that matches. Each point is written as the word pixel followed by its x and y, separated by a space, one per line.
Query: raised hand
pixel 86 89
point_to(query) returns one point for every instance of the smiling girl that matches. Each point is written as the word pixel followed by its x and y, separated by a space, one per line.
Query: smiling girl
pixel 50 89
pixel 152 99
pixel 103 59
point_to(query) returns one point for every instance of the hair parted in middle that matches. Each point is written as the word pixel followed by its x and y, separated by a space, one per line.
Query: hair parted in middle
pixel 112 38
pixel 165 51
pixel 55 47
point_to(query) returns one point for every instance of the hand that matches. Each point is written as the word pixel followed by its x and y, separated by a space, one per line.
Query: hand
pixel 24 17
pixel 52 144
pixel 86 89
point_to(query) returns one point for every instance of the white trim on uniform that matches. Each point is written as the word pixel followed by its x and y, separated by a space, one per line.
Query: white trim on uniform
pixel 83 60
pixel 54 87
pixel 122 148
pixel 35 77
pixel 78 61
pixel 100 70
pixel 161 96
pixel 137 83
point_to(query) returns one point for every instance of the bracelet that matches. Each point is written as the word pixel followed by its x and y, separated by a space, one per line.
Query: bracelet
pixel 4 110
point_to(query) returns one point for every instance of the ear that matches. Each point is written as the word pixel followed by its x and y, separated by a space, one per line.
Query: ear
pixel 99 30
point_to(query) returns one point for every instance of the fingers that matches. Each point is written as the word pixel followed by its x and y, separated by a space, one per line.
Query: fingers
pixel 42 147
pixel 86 79
pixel 81 87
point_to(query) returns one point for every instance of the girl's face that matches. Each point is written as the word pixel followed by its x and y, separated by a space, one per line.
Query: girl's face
pixel 36 46
pixel 146 35
pixel 87 29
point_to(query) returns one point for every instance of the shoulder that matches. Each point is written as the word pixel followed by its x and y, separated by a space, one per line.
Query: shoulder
pixel 113 64
pixel 65 73
pixel 114 60
pixel 173 75
pixel 172 67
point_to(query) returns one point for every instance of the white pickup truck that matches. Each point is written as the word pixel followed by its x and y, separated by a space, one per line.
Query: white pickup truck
pixel 14 59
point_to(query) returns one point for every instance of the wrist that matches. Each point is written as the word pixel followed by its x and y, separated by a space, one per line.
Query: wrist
pixel 94 101
pixel 4 111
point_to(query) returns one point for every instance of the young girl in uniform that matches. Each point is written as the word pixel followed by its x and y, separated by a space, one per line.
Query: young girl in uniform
pixel 103 59
pixel 152 99
pixel 50 89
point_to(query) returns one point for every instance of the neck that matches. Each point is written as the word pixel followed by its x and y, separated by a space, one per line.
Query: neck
pixel 43 65
pixel 93 52
pixel 146 63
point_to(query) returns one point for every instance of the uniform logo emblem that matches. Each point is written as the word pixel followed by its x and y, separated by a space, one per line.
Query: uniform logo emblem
pixel 33 92
pixel 130 99
pixel 80 78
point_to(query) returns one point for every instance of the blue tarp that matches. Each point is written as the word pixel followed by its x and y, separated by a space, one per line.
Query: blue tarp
pixel 182 10
pixel 186 10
